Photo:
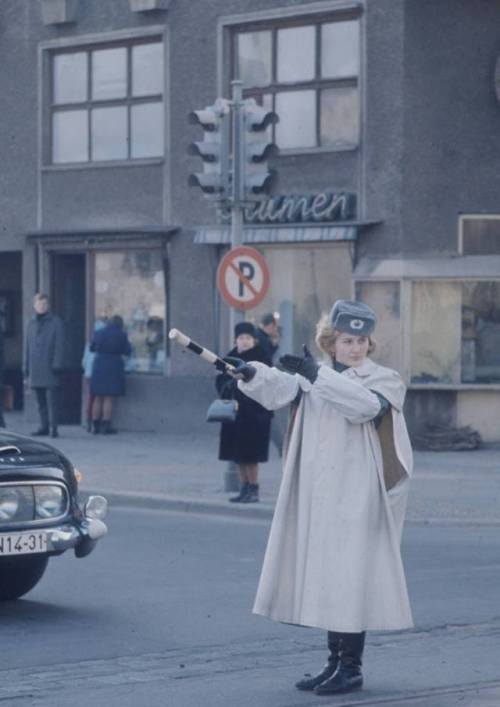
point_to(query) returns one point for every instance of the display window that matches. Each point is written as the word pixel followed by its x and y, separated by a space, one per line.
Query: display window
pixel 131 284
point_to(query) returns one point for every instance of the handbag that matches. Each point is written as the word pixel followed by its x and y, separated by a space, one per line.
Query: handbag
pixel 222 411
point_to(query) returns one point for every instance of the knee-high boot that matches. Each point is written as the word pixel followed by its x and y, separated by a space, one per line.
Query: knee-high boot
pixel 348 675
pixel 309 682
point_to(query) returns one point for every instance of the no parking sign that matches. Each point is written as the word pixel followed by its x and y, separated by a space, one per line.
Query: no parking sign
pixel 243 277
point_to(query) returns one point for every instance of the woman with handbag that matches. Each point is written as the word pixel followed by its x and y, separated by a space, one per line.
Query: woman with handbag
pixel 246 440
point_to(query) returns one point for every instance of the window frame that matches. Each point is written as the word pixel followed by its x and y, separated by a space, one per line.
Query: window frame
pixel 128 101
pixel 318 84
pixel 462 218
pixel 121 248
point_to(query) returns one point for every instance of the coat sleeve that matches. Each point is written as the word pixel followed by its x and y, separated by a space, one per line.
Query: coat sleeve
pixel 58 359
pixel 225 386
pixel 351 399
pixel 271 388
pixel 26 362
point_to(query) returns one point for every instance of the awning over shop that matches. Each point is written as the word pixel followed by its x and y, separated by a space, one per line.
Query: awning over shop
pixel 296 233
pixel 459 267
pixel 108 233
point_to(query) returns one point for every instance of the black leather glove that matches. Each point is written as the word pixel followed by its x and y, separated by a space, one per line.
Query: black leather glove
pixel 305 365
pixel 242 371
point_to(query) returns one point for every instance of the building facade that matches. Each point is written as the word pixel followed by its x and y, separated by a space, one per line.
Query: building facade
pixel 386 185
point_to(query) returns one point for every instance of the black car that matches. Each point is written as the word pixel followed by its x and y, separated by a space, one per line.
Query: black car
pixel 40 514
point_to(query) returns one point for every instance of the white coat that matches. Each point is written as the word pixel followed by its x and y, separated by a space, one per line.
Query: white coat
pixel 333 557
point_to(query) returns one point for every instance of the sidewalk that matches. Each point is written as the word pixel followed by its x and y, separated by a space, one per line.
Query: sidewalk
pixel 181 472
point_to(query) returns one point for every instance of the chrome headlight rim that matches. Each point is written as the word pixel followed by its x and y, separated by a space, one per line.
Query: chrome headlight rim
pixel 35 521
pixel 50 501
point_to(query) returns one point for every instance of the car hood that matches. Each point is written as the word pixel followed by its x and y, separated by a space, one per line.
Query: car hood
pixel 19 453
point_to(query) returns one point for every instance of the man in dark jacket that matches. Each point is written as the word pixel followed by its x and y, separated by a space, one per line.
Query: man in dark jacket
pixel 43 363
pixel 268 335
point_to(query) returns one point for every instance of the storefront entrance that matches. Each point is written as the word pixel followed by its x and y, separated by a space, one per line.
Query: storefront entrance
pixel 68 277
pixel 11 265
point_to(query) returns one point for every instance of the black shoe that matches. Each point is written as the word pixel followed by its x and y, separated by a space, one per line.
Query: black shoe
pixel 96 427
pixel 343 680
pixel 40 432
pixel 243 492
pixel 54 433
pixel 347 677
pixel 252 494
pixel 309 682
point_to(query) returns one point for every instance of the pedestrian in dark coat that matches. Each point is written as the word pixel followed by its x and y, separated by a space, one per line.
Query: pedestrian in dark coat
pixel 107 381
pixel 44 362
pixel 245 441
pixel 268 335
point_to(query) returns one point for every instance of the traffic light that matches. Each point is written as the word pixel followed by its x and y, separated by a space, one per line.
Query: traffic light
pixel 257 148
pixel 213 149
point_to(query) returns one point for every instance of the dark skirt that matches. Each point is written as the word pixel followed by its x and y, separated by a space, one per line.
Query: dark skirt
pixel 108 375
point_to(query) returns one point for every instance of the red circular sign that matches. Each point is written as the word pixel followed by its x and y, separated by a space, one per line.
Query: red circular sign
pixel 243 277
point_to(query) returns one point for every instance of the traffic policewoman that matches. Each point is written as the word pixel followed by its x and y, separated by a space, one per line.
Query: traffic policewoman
pixel 333 557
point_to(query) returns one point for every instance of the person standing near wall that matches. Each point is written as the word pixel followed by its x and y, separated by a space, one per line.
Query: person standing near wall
pixel 333 557
pixel 44 362
pixel 246 440
pixel 107 381
pixel 268 335
pixel 87 365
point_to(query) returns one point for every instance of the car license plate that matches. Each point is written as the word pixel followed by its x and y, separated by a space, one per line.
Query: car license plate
pixel 23 543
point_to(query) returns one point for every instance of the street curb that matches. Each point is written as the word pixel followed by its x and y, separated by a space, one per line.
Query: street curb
pixel 260 511
pixel 185 504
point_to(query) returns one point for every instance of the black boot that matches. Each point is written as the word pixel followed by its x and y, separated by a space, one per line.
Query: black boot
pixel 347 677
pixel 243 492
pixel 309 682
pixel 96 427
pixel 252 495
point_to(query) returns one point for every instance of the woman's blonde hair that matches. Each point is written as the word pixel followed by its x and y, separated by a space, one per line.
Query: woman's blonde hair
pixel 326 336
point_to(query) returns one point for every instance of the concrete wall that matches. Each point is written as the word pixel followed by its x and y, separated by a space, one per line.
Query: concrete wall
pixel 452 119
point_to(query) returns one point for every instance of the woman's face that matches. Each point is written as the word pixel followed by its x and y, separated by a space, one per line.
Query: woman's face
pixel 244 342
pixel 351 350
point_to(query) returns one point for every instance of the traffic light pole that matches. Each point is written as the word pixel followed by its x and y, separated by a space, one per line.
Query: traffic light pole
pixel 231 476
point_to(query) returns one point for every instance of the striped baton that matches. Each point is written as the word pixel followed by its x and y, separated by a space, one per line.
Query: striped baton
pixel 206 354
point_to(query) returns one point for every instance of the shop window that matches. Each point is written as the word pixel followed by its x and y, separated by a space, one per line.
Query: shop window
pixel 479 235
pixel 305 281
pixel 308 73
pixel 107 103
pixel 455 332
pixel 131 284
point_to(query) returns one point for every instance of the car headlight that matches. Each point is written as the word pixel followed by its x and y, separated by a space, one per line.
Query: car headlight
pixel 9 503
pixel 50 501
